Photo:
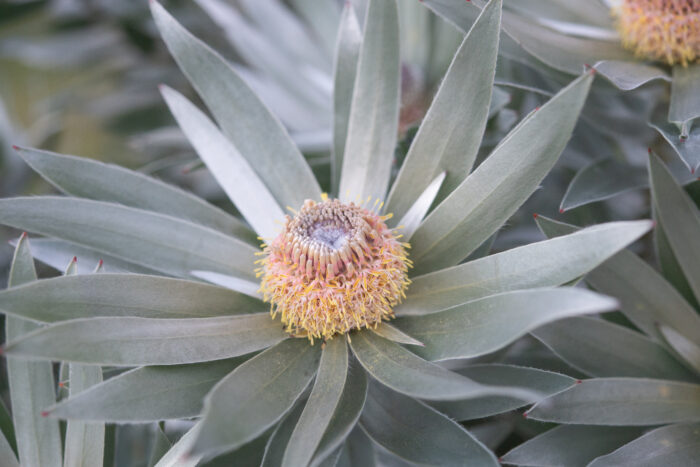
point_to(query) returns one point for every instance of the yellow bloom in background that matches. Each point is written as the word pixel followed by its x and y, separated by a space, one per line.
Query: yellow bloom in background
pixel 663 30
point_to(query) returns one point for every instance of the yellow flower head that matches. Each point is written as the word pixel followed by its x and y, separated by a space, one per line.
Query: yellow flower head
pixel 334 267
pixel 663 30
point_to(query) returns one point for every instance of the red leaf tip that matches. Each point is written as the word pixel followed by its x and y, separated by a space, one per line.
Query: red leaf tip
pixel 45 414
pixel 561 211
pixel 15 147
pixel 535 215
pixel 649 150
pixel 75 259
pixel 525 414
pixel 24 235
pixel 61 384
pixel 100 262
pixel 578 381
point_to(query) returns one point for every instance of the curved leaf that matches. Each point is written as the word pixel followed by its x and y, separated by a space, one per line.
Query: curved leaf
pixel 387 331
pixel 416 213
pixel 85 442
pixel 685 94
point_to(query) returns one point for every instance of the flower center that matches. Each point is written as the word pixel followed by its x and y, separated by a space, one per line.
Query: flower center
pixel 334 267
pixel 663 30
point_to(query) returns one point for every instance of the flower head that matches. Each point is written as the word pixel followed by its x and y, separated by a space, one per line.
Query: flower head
pixel 664 30
pixel 334 267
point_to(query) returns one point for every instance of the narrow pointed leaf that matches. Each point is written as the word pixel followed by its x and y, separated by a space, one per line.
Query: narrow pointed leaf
pixel 687 147
pixel 417 433
pixel 687 349
pixel 543 383
pixel 681 220
pixel 685 94
pixel 250 126
pixel 6 453
pixel 255 395
pixel 87 296
pixel 646 298
pixel 622 401
pixel 449 137
pixel 319 408
pixel 416 213
pixel 627 75
pixel 347 54
pixel 601 348
pixel 244 286
pixel 542 264
pixel 146 341
pixel 669 266
pixel 87 178
pixel 161 445
pixel 495 190
pixel 31 383
pixel 279 440
pixel 85 441
pixel 147 394
pixel 374 113
pixel 156 241
pixel 570 445
pixel 233 173
pixel 387 331
pixel 675 445
pixel 488 324
pixel 178 455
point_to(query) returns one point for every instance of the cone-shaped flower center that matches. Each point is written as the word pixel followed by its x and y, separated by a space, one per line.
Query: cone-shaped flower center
pixel 334 267
pixel 664 30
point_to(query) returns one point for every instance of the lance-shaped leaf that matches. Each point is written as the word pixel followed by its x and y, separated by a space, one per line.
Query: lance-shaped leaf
pixel 243 118
pixel 418 433
pixel 156 241
pixel 387 331
pixel 450 135
pixel 146 341
pixel 686 146
pixel 680 218
pixel 374 113
pixel 495 190
pixel 688 350
pixel 542 264
pixel 630 75
pixel 622 401
pixel 147 394
pixel 85 442
pixel 87 178
pixel 645 297
pixel 255 395
pixel 231 170
pixel 31 383
pixel 570 445
pixel 347 54
pixel 685 94
pixel 540 382
pixel 345 416
pixel 488 324
pixel 178 455
pixel 8 455
pixel 402 371
pixel 415 214
pixel 279 440
pixel 87 296
pixel 601 348
pixel 668 445
pixel 324 399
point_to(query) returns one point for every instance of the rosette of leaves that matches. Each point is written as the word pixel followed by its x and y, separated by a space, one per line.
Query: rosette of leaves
pixel 212 352
pixel 640 404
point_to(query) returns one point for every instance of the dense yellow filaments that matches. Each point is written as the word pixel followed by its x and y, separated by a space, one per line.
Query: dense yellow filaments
pixel 663 30
pixel 334 267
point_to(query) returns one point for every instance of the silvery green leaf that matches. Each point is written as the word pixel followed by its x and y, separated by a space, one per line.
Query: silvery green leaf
pixel 628 75
pixel 85 441
pixel 249 454
pixel 347 55
pixel 145 341
pixel 163 393
pixel 143 237
pixel 161 445
pixel 323 401
pixel 322 17
pixel 687 147
pixel 390 420
pixel 416 213
pixel 495 190
pixel 544 383
pixel 87 296
pixel 179 455
pixel 233 173
pixel 402 371
pixel 243 286
pixel 253 130
pixel 8 455
pixel 87 178
pixel 570 445
pixel 387 331
pixel 374 113
pixel 488 324
pixel 685 94
pixel 687 349
pixel 645 297
pixel 542 264
pixel 671 446
pixel 345 416
pixel 621 401
pixel 680 218
pixel 449 137
pixel 601 180
pixel 669 266
pixel 601 348
pixel 360 449
pixel 279 440
pixel 255 395
pixel 31 383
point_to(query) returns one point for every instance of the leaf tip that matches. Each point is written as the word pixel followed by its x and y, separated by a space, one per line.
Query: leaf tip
pixel 535 215
pixel 561 210
pixel 45 413
pixel 74 260
pixel 15 147
pixel 578 381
